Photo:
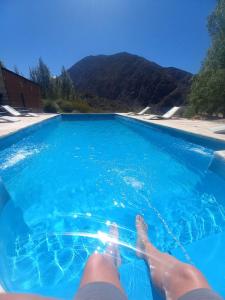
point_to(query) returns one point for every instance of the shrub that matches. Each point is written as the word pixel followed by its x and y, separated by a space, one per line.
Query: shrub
pixel 66 106
pixel 82 106
pixel 189 111
pixel 50 106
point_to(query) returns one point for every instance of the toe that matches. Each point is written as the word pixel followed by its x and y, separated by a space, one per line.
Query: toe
pixel 138 219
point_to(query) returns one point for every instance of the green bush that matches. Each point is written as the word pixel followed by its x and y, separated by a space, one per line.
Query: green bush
pixel 82 106
pixel 66 106
pixel 50 106
pixel 79 105
pixel 207 97
pixel 189 112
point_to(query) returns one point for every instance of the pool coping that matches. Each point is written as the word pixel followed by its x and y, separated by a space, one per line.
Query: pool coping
pixel 133 117
pixel 149 122
pixel 49 117
pixel 218 162
pixel 26 129
pixel 37 122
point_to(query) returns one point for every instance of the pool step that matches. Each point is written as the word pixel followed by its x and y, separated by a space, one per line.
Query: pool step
pixel 218 163
pixel 208 255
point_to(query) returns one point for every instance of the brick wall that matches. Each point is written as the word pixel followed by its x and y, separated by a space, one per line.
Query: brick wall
pixel 21 92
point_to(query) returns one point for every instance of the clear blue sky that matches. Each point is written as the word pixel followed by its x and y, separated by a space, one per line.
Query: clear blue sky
pixel 169 32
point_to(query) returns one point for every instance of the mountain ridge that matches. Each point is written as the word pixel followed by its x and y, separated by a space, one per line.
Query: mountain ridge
pixel 127 81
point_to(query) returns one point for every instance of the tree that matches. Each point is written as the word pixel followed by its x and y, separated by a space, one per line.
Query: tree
pixel 207 91
pixel 2 65
pixel 52 87
pixel 42 75
pixel 67 87
pixel 16 70
pixel 57 87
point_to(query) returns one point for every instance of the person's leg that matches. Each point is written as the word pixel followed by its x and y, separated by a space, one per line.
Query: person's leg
pixel 22 297
pixel 170 276
pixel 103 267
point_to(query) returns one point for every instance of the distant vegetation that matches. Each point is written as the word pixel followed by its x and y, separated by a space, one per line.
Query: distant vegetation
pixel 58 93
pixel 208 88
pixel 127 82
pixel 2 65
pixel 121 82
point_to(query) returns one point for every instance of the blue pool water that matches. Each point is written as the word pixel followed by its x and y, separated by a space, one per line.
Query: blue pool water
pixel 72 176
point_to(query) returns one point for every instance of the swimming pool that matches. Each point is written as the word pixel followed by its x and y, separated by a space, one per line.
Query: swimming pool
pixel 77 174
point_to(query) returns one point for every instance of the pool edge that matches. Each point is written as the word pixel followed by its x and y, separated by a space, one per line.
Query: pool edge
pixel 187 132
pixel 3 136
pixel 217 165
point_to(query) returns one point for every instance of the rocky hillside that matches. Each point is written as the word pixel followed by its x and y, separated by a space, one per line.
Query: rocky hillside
pixel 124 82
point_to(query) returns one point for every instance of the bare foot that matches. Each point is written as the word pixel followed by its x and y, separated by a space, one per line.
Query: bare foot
pixel 142 236
pixel 112 249
pixel 113 231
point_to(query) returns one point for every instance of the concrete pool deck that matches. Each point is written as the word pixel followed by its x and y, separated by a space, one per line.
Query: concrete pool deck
pixel 200 127
pixel 7 127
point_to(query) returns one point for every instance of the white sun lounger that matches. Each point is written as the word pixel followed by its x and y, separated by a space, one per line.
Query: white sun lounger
pixel 13 112
pixel 9 119
pixel 167 115
pixel 218 129
pixel 142 112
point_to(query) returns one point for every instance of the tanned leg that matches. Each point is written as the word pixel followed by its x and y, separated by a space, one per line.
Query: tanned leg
pixel 103 267
pixel 170 276
pixel 22 297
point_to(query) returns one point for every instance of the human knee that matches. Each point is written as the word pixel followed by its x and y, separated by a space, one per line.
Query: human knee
pixel 96 260
pixel 187 272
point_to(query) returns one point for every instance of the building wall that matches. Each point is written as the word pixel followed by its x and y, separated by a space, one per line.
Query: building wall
pixel 21 92
pixel 3 94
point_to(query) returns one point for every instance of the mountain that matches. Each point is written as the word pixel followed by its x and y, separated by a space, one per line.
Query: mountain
pixel 124 82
